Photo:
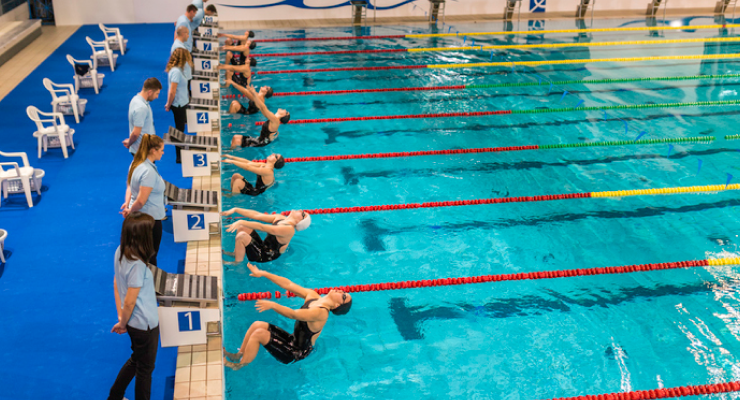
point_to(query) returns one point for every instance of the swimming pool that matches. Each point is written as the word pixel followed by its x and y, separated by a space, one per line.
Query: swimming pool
pixel 507 340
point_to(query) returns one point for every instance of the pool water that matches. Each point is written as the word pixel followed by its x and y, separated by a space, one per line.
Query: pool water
pixel 507 340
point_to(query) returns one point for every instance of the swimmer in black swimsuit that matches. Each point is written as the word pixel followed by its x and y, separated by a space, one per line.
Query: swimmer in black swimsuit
pixel 238 108
pixel 269 131
pixel 279 228
pixel 309 322
pixel 240 38
pixel 239 73
pixel 265 174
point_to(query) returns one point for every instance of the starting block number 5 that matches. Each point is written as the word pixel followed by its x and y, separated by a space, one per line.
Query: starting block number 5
pixel 196 222
pixel 205 87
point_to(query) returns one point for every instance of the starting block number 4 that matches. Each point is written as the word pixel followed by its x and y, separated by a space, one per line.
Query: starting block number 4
pixel 188 321
pixel 196 222
pixel 202 117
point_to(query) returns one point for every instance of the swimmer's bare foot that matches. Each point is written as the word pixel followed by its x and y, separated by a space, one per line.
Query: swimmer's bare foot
pixel 231 365
pixel 232 356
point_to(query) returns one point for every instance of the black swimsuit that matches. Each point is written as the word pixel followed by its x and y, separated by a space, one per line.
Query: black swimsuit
pixel 288 348
pixel 249 110
pixel 262 140
pixel 257 189
pixel 261 251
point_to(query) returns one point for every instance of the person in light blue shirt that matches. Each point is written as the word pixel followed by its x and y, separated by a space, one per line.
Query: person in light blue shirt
pixel 181 36
pixel 140 118
pixel 191 19
pixel 136 305
pixel 145 189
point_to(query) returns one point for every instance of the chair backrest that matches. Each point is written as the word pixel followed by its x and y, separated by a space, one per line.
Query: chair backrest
pixel 23 156
pixel 49 85
pixel 97 46
pixel 82 67
pixel 108 32
pixel 33 113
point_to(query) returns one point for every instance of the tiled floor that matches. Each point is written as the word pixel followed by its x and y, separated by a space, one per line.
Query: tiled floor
pixel 18 67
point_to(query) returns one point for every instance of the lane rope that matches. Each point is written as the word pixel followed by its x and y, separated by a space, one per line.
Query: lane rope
pixel 464 34
pixel 503 47
pixel 505 64
pixel 696 139
pixel 498 85
pixel 516 112
pixel 566 273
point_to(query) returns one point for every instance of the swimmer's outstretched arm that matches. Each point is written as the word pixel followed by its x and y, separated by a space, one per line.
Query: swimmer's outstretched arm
pixel 269 218
pixel 283 282
pixel 253 167
pixel 237 86
pixel 307 315
pixel 229 35
pixel 238 68
pixel 252 95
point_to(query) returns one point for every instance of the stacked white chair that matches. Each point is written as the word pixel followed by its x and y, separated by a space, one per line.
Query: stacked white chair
pixel 63 97
pixel 101 50
pixel 58 129
pixel 91 79
pixel 14 172
pixel 114 38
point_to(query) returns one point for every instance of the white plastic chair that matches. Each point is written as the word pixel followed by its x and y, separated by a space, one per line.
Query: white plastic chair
pixel 58 129
pixel 3 236
pixel 101 50
pixel 91 79
pixel 16 172
pixel 67 99
pixel 114 38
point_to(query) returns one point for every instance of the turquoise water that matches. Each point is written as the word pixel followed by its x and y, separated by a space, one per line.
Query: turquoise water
pixel 512 340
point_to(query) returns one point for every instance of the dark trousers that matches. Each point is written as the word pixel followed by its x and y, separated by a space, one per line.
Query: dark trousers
pixel 140 365
pixel 157 239
pixel 181 117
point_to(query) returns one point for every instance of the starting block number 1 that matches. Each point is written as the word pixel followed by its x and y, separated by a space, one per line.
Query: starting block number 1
pixel 202 117
pixel 196 222
pixel 188 321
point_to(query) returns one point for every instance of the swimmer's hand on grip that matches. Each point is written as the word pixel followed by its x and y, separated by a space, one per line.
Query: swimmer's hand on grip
pixel 254 271
pixel 264 305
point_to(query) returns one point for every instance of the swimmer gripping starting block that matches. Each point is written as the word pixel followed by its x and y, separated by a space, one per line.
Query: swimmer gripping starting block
pixel 180 198
pixel 183 287
pixel 180 139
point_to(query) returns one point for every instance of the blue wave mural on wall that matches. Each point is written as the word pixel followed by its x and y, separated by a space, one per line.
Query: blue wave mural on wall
pixel 302 4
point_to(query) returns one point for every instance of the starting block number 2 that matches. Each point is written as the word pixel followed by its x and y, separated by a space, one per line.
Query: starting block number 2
pixel 196 222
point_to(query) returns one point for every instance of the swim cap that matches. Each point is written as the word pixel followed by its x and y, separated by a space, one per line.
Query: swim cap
pixel 304 224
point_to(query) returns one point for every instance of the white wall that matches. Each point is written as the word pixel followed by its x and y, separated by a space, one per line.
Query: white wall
pixel 75 12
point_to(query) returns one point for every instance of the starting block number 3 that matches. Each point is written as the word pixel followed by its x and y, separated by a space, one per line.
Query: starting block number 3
pixel 188 321
pixel 196 222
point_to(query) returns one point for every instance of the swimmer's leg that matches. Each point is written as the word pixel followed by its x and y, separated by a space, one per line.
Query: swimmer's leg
pixel 237 183
pixel 243 239
pixel 257 335
pixel 234 108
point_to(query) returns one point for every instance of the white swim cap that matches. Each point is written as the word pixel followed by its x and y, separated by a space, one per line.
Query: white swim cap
pixel 305 222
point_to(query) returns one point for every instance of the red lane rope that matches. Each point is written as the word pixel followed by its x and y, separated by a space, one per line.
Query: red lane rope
pixel 326 53
pixel 435 204
pixel 412 116
pixel 565 273
pixel 296 71
pixel 323 92
pixel 330 38
pixel 409 154
pixel 664 393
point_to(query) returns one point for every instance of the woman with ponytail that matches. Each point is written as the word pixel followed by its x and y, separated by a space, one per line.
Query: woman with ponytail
pixel 145 191
pixel 177 97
